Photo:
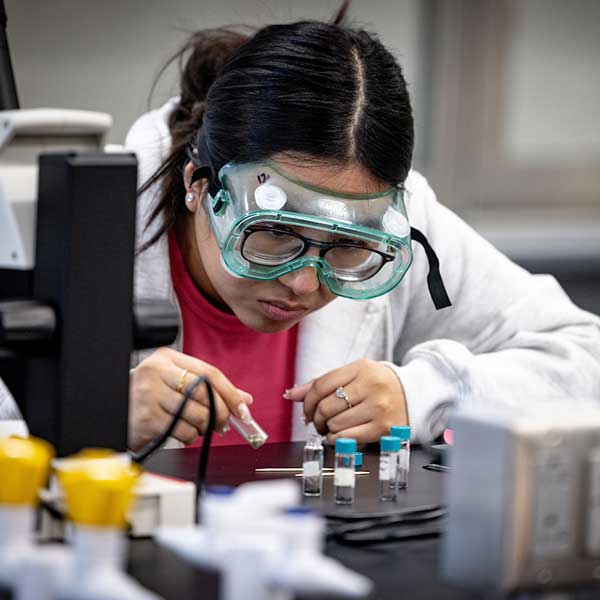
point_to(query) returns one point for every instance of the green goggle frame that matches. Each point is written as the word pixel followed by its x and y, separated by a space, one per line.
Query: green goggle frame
pixel 261 193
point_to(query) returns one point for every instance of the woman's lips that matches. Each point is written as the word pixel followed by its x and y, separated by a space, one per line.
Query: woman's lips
pixel 280 312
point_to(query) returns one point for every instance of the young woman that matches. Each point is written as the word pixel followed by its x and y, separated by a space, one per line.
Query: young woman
pixel 281 215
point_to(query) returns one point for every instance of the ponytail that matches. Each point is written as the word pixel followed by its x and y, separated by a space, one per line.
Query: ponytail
pixel 200 61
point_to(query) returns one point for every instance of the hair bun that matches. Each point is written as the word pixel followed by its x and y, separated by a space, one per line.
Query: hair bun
pixel 197 111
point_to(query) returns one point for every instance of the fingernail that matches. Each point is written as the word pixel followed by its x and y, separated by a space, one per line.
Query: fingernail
pixel 286 395
pixel 247 397
pixel 224 429
pixel 244 413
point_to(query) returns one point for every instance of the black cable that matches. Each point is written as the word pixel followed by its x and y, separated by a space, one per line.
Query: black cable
pixel 152 446
pixel 204 453
pixel 54 512
pixel 361 516
pixel 158 441
pixel 366 529
pixel 391 534
pixel 393 519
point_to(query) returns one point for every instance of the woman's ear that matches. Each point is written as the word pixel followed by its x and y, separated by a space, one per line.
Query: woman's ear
pixel 194 193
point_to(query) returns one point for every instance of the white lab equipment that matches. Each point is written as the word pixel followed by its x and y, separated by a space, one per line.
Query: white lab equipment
pixel 24 134
pixel 264 549
pixel 523 501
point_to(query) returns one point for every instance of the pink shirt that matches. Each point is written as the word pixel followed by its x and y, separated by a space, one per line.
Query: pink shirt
pixel 261 364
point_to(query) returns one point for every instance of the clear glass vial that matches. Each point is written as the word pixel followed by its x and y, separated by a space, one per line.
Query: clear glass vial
pixel 344 478
pixel 248 428
pixel 402 432
pixel 388 467
pixel 312 466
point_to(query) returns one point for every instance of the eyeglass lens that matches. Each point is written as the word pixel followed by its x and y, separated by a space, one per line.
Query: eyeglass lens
pixel 273 247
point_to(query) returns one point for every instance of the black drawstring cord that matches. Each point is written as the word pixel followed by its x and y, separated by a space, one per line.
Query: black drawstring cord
pixel 434 277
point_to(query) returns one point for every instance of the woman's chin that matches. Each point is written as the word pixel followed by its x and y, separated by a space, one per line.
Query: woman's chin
pixel 259 321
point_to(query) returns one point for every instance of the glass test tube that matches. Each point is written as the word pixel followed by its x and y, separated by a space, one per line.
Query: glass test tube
pixel 402 432
pixel 344 477
pixel 312 466
pixel 388 468
pixel 249 429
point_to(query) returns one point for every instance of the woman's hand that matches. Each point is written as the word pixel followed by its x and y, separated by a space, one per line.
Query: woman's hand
pixel 154 398
pixel 375 402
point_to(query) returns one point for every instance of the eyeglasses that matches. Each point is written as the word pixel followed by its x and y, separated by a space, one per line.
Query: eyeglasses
pixel 271 246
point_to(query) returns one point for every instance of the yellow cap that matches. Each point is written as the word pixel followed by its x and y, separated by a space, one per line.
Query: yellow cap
pixel 85 456
pixel 24 466
pixel 98 488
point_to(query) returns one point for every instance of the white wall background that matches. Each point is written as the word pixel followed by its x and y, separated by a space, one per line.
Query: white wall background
pixel 553 76
pixel 104 54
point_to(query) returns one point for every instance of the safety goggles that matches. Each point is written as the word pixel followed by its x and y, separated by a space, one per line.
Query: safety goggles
pixel 267 223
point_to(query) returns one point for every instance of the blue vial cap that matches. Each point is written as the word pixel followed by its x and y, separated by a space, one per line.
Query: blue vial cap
pixel 345 445
pixel 401 431
pixel 220 490
pixel 358 459
pixel 299 511
pixel 390 443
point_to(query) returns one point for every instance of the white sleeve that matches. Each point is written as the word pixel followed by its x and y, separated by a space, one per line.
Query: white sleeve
pixel 8 406
pixel 150 138
pixel 510 338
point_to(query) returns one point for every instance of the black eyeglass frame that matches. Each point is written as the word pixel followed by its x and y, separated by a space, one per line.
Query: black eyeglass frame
pixel 324 247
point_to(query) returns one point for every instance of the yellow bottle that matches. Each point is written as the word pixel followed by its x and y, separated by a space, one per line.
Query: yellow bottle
pixel 99 489
pixel 24 467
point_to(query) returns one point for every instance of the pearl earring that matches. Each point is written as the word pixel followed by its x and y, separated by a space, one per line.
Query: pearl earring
pixel 189 197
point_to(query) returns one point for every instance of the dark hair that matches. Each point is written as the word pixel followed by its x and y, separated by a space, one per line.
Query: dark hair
pixel 314 89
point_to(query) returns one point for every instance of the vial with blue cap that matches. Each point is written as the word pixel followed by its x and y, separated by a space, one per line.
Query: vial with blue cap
pixel 402 432
pixel 358 460
pixel 388 467
pixel 344 479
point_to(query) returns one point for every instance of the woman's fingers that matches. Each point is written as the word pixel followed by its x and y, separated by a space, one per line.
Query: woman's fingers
pixel 362 393
pixel 352 417
pixel 195 413
pixel 326 386
pixel 332 406
pixel 298 392
pixel 364 433
pixel 155 393
pixel 185 433
pixel 231 396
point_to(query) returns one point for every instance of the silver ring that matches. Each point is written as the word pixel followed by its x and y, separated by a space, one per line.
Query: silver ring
pixel 341 394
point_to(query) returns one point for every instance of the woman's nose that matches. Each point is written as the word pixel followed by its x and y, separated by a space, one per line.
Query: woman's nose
pixel 302 281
